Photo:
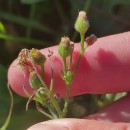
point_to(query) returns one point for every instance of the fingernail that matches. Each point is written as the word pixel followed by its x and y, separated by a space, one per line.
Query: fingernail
pixel 48 127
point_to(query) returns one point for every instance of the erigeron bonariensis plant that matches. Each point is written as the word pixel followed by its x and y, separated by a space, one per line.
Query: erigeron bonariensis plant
pixel 32 63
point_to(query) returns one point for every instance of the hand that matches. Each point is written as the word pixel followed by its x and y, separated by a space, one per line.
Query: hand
pixel 104 68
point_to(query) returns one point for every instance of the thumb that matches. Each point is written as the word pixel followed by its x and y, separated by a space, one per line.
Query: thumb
pixel 79 124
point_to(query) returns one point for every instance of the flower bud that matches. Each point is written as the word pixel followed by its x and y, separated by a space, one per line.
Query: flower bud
pixel 37 56
pixel 82 24
pixel 91 39
pixel 65 48
pixel 34 80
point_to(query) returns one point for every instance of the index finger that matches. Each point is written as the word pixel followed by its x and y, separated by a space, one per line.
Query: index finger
pixel 104 68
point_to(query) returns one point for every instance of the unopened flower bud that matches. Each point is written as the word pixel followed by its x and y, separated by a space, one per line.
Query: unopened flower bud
pixel 91 39
pixel 37 56
pixel 34 80
pixel 65 48
pixel 82 24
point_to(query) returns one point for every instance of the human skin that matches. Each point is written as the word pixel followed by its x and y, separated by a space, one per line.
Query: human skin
pixel 104 68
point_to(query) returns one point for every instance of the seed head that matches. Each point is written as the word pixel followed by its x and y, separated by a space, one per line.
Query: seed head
pixel 23 59
pixel 91 39
pixel 37 56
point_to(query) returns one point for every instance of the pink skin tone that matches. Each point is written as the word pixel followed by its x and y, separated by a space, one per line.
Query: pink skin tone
pixel 104 68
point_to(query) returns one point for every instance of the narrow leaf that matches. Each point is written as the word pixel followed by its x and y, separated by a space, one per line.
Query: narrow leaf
pixel 4 127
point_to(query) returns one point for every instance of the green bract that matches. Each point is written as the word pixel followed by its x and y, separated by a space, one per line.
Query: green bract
pixel 34 80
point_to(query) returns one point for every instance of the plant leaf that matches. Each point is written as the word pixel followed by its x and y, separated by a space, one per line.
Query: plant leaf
pixel 23 39
pixel 30 1
pixel 4 127
pixel 2 28
pixel 108 5
pixel 26 22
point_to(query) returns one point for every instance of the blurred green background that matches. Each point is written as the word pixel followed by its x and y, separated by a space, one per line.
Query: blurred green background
pixel 40 24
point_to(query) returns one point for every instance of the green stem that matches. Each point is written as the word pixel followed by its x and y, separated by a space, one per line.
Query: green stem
pixel 50 108
pixel 52 75
pixel 52 82
pixel 52 111
pixel 66 101
pixel 70 62
pixel 43 101
pixel 64 65
pixel 82 42
pixel 42 70
pixel 40 78
pixel 52 98
pixel 54 102
pixel 81 52
pixel 77 64
pixel 68 87
pixel 112 97
pixel 43 112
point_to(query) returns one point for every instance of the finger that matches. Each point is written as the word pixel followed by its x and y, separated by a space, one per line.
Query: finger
pixel 118 111
pixel 79 124
pixel 103 120
pixel 104 68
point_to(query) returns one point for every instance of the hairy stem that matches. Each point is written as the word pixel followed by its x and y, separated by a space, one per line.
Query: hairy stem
pixel 52 76
pixel 64 65
pixel 52 98
pixel 81 53
pixel 66 101
pixel 82 42
pixel 54 102
pixel 70 62
pixel 42 70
